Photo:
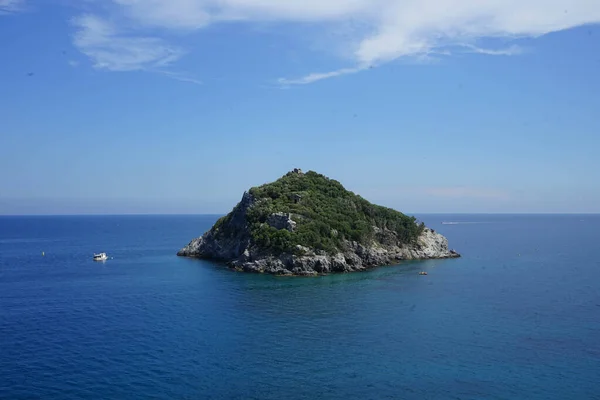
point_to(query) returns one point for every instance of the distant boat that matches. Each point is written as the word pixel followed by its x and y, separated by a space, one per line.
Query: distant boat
pixel 100 257
pixel 423 273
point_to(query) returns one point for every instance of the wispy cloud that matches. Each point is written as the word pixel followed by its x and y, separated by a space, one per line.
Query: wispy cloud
pixel 11 6
pixel 314 77
pixel 73 63
pixel 171 14
pixel 180 76
pixel 109 49
pixel 509 51
pixel 467 192
pixel 390 29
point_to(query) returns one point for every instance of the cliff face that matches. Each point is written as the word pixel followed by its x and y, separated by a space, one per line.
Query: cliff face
pixel 235 241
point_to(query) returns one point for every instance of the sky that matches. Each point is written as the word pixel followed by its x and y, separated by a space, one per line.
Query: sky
pixel 178 106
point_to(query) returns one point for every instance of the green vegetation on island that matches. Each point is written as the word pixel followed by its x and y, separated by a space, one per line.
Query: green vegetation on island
pixel 326 216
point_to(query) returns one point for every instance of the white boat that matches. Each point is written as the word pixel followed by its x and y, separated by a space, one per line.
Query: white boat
pixel 100 257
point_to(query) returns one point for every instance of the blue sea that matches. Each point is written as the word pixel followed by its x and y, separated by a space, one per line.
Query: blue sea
pixel 517 317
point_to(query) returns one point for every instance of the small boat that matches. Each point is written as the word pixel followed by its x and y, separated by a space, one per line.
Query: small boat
pixel 100 257
pixel 423 273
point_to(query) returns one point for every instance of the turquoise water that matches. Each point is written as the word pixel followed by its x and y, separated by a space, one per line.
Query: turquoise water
pixel 518 317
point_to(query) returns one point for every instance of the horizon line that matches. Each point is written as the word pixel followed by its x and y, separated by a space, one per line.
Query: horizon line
pixel 221 214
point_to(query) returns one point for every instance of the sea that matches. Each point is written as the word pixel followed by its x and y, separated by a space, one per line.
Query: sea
pixel 517 317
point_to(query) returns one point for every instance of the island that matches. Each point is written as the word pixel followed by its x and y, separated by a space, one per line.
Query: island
pixel 308 224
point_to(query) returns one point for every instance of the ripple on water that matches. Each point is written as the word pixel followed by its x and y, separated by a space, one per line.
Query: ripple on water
pixel 151 325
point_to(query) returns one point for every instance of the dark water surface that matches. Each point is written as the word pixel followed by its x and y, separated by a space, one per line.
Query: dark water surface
pixel 518 317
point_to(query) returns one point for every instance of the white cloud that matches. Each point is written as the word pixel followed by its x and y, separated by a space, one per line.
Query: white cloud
pixel 193 14
pixel 509 51
pixel 390 29
pixel 11 6
pixel 173 14
pixel 179 76
pixel 109 49
pixel 318 76
pixel 73 63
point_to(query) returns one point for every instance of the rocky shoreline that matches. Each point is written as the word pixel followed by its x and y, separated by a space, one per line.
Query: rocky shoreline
pixel 238 250
pixel 431 245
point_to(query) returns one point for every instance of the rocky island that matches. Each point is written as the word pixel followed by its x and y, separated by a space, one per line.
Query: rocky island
pixel 308 224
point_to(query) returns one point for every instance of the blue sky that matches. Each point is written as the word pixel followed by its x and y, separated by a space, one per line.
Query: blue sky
pixel 149 106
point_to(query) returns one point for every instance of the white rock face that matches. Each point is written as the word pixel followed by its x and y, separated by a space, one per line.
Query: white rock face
pixel 237 249
pixel 282 221
pixel 356 258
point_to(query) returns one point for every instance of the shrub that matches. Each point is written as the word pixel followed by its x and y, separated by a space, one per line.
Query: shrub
pixel 323 206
